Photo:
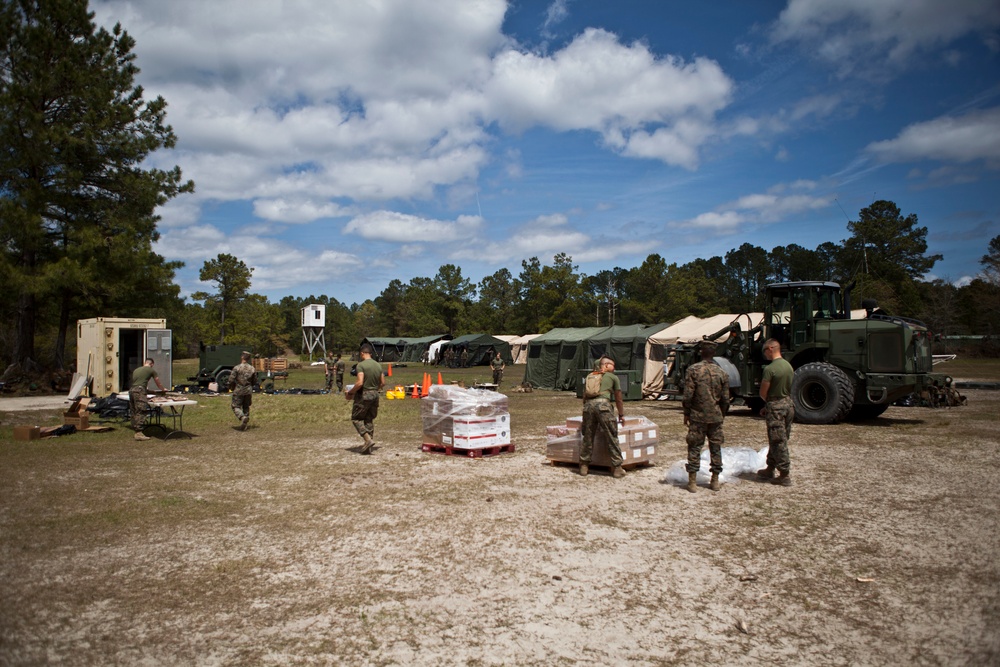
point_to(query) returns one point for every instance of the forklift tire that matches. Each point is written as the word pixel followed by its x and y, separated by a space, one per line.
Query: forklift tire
pixel 822 394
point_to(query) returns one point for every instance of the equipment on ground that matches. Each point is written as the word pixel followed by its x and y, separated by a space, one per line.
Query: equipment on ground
pixel 844 368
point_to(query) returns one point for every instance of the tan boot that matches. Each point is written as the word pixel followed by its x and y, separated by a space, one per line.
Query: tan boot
pixel 714 484
pixel 584 469
pixel 369 443
pixel 618 472
pixel 692 482
pixel 782 479
pixel 766 473
pixel 139 435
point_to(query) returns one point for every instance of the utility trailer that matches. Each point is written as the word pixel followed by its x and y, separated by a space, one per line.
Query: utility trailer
pixel 109 349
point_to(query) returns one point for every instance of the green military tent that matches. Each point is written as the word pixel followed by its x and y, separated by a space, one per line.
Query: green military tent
pixel 415 347
pixel 480 347
pixel 556 358
pixel 386 349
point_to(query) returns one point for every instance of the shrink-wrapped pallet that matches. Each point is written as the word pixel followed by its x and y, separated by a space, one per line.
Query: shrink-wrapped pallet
pixel 454 416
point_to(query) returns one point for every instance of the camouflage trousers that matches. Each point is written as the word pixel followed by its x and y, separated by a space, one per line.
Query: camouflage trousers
pixel 498 376
pixel 340 382
pixel 138 406
pixel 241 403
pixel 697 432
pixel 599 415
pixel 364 411
pixel 779 416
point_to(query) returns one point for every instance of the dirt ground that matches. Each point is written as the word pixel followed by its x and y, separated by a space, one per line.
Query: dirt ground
pixel 277 547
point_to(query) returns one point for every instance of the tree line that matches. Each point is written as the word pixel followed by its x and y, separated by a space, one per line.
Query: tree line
pixel 885 256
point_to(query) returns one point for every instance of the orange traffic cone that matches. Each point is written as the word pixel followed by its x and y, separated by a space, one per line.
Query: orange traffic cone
pixel 427 384
pixel 390 370
pixel 439 378
pixel 416 392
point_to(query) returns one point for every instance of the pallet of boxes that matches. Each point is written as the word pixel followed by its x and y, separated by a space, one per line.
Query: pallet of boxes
pixel 465 422
pixel 638 438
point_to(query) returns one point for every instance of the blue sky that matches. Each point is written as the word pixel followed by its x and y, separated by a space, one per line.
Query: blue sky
pixel 337 145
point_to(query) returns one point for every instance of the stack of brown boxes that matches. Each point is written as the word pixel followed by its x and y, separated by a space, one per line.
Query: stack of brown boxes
pixel 464 418
pixel 638 438
pixel 76 414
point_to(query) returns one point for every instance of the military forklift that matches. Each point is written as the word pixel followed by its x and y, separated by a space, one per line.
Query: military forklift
pixel 844 368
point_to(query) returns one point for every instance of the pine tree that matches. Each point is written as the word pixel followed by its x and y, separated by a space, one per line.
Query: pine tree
pixel 77 218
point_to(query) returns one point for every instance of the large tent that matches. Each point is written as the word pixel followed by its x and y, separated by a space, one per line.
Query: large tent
pixel 519 348
pixel 556 358
pixel 386 349
pixel 415 347
pixel 481 348
pixel 688 330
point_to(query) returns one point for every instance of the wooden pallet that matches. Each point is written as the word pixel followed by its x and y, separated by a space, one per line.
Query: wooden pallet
pixel 602 468
pixel 477 453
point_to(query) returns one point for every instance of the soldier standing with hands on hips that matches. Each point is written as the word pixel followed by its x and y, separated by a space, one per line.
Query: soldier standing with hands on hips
pixel 706 402
pixel 779 413
pixel 365 393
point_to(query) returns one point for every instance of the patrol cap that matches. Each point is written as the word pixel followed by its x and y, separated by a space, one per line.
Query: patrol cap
pixel 709 345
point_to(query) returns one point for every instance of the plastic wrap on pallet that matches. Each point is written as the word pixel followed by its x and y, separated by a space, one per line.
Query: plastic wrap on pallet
pixel 469 418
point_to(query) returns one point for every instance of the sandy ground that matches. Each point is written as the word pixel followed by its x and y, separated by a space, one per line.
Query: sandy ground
pixel 884 552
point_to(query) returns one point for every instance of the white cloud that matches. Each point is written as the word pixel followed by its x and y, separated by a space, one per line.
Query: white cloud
pixel 404 228
pixel 845 32
pixel 974 136
pixel 284 210
pixel 596 83
pixel 757 209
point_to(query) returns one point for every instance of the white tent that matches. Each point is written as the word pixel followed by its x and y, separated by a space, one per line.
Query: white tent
pixel 689 330
pixel 519 347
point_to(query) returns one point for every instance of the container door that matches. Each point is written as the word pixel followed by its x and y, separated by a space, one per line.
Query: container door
pixel 158 345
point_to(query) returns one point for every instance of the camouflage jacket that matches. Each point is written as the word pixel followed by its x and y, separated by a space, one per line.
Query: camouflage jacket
pixel 706 393
pixel 241 380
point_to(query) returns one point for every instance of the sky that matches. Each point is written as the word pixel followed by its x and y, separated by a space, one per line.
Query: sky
pixel 337 145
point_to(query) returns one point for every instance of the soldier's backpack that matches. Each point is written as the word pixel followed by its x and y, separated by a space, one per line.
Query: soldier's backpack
pixel 592 385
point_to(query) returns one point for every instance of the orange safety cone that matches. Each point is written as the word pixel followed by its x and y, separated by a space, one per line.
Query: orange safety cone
pixel 416 392
pixel 390 370
pixel 439 378
pixel 427 384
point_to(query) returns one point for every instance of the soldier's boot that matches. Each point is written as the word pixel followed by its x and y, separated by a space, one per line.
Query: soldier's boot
pixel 766 473
pixel 714 484
pixel 244 421
pixel 618 472
pixel 692 482
pixel 584 469
pixel 139 435
pixel 369 443
pixel 783 479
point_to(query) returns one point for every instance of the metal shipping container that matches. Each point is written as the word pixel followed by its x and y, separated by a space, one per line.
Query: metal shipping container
pixel 108 349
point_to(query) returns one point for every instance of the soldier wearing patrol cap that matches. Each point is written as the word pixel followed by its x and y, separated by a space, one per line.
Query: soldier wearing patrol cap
pixel 706 402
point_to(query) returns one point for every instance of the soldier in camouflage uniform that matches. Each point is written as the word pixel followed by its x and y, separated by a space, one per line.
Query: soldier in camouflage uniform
pixel 241 381
pixel 365 393
pixel 338 372
pixel 775 388
pixel 138 404
pixel 706 402
pixel 599 415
